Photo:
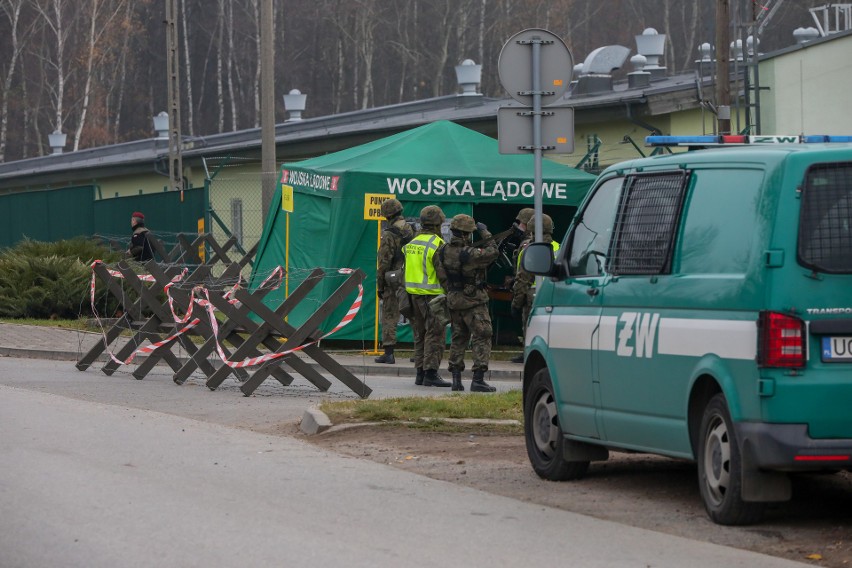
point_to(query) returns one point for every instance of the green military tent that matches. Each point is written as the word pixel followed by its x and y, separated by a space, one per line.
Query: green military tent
pixel 325 213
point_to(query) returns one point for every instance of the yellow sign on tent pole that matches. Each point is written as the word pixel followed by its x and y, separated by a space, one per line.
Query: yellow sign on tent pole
pixel 201 250
pixel 287 198
pixel 373 212
pixel 287 203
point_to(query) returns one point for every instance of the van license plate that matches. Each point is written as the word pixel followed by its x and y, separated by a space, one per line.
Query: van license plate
pixel 837 349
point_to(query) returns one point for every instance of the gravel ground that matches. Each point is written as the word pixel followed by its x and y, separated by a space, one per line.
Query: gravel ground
pixel 640 490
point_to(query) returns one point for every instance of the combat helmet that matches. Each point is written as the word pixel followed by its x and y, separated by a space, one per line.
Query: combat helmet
pixel 463 223
pixel 546 225
pixel 524 215
pixel 432 216
pixel 391 207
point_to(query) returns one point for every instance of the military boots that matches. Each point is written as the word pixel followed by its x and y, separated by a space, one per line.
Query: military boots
pixel 432 379
pixel 457 384
pixel 418 378
pixel 479 385
pixel 387 357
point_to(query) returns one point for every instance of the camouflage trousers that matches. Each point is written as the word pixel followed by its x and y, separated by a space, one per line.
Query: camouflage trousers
pixel 529 297
pixel 429 335
pixel 390 317
pixel 525 311
pixel 471 325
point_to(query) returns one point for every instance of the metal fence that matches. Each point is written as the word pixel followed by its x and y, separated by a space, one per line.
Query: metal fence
pixel 56 214
pixel 235 202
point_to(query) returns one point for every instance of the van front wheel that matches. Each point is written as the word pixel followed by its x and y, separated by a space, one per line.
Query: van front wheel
pixel 543 434
pixel 720 469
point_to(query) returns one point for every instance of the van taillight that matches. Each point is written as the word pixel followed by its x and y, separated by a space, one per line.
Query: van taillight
pixel 781 341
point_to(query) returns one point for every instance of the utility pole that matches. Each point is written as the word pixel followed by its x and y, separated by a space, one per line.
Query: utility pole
pixel 173 93
pixel 267 108
pixel 723 80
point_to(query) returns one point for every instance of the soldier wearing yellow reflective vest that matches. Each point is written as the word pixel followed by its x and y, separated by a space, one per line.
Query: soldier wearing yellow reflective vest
pixel 523 289
pixel 422 285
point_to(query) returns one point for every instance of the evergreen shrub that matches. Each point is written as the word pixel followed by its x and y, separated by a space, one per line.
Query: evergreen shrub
pixel 51 280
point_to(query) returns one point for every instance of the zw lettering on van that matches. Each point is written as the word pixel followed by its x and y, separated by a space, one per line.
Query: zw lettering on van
pixel 773 139
pixel 636 334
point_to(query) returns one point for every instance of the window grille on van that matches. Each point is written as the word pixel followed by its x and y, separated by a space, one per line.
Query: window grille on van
pixel 825 219
pixel 646 223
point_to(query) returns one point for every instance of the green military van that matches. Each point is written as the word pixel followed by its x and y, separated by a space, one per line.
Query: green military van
pixel 700 307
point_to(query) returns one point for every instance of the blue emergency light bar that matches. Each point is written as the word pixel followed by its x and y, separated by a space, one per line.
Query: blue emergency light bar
pixel 740 140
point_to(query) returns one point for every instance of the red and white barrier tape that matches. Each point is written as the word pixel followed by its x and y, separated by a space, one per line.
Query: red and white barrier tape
pixel 252 361
pixel 214 323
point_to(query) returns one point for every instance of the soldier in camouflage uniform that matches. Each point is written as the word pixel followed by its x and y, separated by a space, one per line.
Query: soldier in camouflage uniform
pixel 520 234
pixel 462 268
pixel 516 240
pixel 422 285
pixel 523 289
pixel 389 273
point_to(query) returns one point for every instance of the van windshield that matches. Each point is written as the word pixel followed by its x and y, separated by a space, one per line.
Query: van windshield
pixel 825 223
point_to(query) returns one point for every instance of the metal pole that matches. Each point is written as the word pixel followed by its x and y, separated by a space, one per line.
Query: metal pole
pixel 723 81
pixel 173 93
pixel 536 80
pixel 267 108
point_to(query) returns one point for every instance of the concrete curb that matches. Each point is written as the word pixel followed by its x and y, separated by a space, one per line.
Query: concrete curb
pixel 314 421
pixel 357 370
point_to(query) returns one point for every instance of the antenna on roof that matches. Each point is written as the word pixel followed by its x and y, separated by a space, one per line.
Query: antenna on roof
pixel 841 22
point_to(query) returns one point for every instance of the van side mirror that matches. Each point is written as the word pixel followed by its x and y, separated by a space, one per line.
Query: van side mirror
pixel 538 259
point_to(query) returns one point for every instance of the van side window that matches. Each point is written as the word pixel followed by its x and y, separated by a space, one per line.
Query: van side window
pixel 825 234
pixel 718 235
pixel 592 232
pixel 645 226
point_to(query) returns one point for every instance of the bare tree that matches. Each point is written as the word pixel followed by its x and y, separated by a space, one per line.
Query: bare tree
pixel 229 23
pixel 59 25
pixel 445 13
pixel 403 44
pixel 690 29
pixel 102 15
pixel 480 44
pixel 365 25
pixel 220 94
pixel 255 10
pixel 94 76
pixel 119 81
pixel 187 62
pixel 12 10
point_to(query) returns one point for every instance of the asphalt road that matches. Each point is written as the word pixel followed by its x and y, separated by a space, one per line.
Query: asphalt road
pixel 109 471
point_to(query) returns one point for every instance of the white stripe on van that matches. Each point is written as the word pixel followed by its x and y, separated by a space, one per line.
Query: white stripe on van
pixel 537 327
pixel 569 332
pixel 728 339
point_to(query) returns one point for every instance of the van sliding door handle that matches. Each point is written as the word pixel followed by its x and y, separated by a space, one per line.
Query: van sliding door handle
pixel 593 291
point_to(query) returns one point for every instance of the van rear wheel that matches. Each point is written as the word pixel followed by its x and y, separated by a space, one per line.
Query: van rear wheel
pixel 543 434
pixel 720 469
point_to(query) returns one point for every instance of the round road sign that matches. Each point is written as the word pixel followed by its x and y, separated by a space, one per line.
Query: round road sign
pixel 516 63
